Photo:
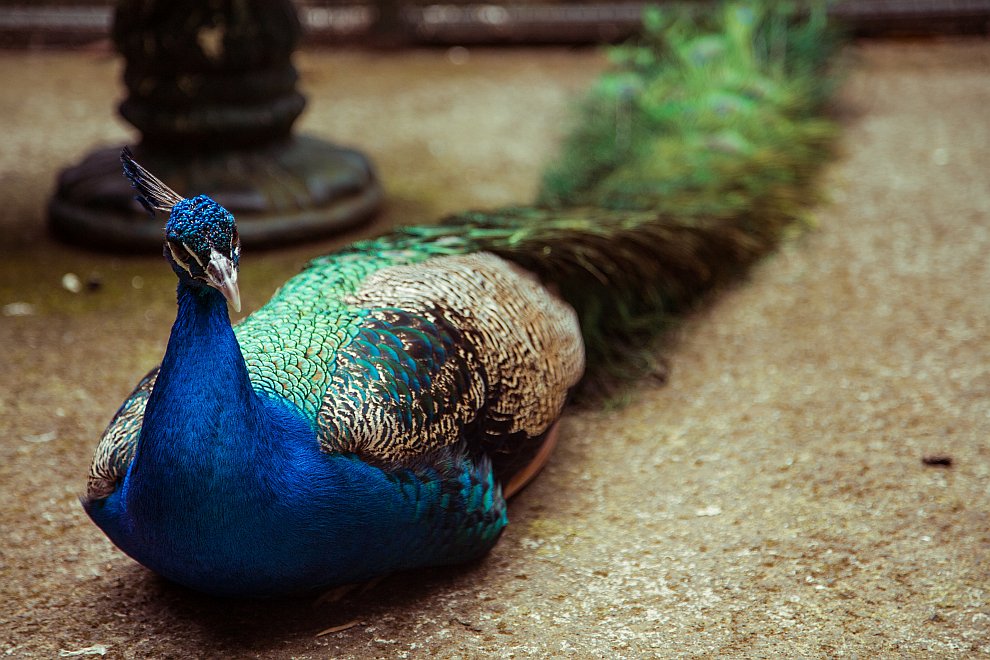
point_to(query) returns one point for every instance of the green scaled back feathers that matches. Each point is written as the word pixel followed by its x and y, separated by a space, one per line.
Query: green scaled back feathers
pixel 298 369
pixel 688 162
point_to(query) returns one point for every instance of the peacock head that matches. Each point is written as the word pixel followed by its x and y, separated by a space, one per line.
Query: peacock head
pixel 202 244
pixel 201 240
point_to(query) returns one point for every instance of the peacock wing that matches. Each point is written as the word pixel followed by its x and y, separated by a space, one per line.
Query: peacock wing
pixel 116 448
pixel 457 349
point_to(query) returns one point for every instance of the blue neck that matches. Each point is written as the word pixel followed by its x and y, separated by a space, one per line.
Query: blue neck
pixel 213 454
pixel 203 405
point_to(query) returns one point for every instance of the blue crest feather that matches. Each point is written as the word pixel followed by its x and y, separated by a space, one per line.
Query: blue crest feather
pixel 154 194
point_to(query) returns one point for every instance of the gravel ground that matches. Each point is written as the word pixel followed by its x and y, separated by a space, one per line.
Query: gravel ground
pixel 769 500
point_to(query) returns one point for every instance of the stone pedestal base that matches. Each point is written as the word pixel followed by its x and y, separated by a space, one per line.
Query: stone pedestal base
pixel 290 190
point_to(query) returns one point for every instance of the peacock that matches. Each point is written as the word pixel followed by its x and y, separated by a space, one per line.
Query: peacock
pixel 377 412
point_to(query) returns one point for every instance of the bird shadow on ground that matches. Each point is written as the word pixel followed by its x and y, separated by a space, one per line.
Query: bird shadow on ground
pixel 265 625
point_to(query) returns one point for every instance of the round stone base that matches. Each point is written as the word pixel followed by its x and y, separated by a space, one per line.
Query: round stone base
pixel 288 191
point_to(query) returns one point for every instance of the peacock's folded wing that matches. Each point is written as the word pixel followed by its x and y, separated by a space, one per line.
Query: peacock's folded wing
pixel 116 448
pixel 455 348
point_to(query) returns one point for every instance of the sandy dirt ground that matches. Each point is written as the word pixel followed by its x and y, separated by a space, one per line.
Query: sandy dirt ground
pixel 769 501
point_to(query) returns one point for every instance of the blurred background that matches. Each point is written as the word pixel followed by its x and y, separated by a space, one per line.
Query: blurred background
pixel 462 22
pixel 771 500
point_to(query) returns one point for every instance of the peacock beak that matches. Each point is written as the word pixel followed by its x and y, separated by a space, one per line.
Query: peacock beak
pixel 221 274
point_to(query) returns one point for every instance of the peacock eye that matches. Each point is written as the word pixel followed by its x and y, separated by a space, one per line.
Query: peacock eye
pixel 178 255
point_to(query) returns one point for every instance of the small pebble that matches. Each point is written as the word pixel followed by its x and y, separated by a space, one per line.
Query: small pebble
pixel 18 309
pixel 937 460
pixel 458 55
pixel 709 511
pixel 96 649
pixel 71 283
pixel 40 438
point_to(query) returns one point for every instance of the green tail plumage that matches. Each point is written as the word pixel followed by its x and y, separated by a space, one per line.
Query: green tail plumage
pixel 689 161
pixel 704 114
